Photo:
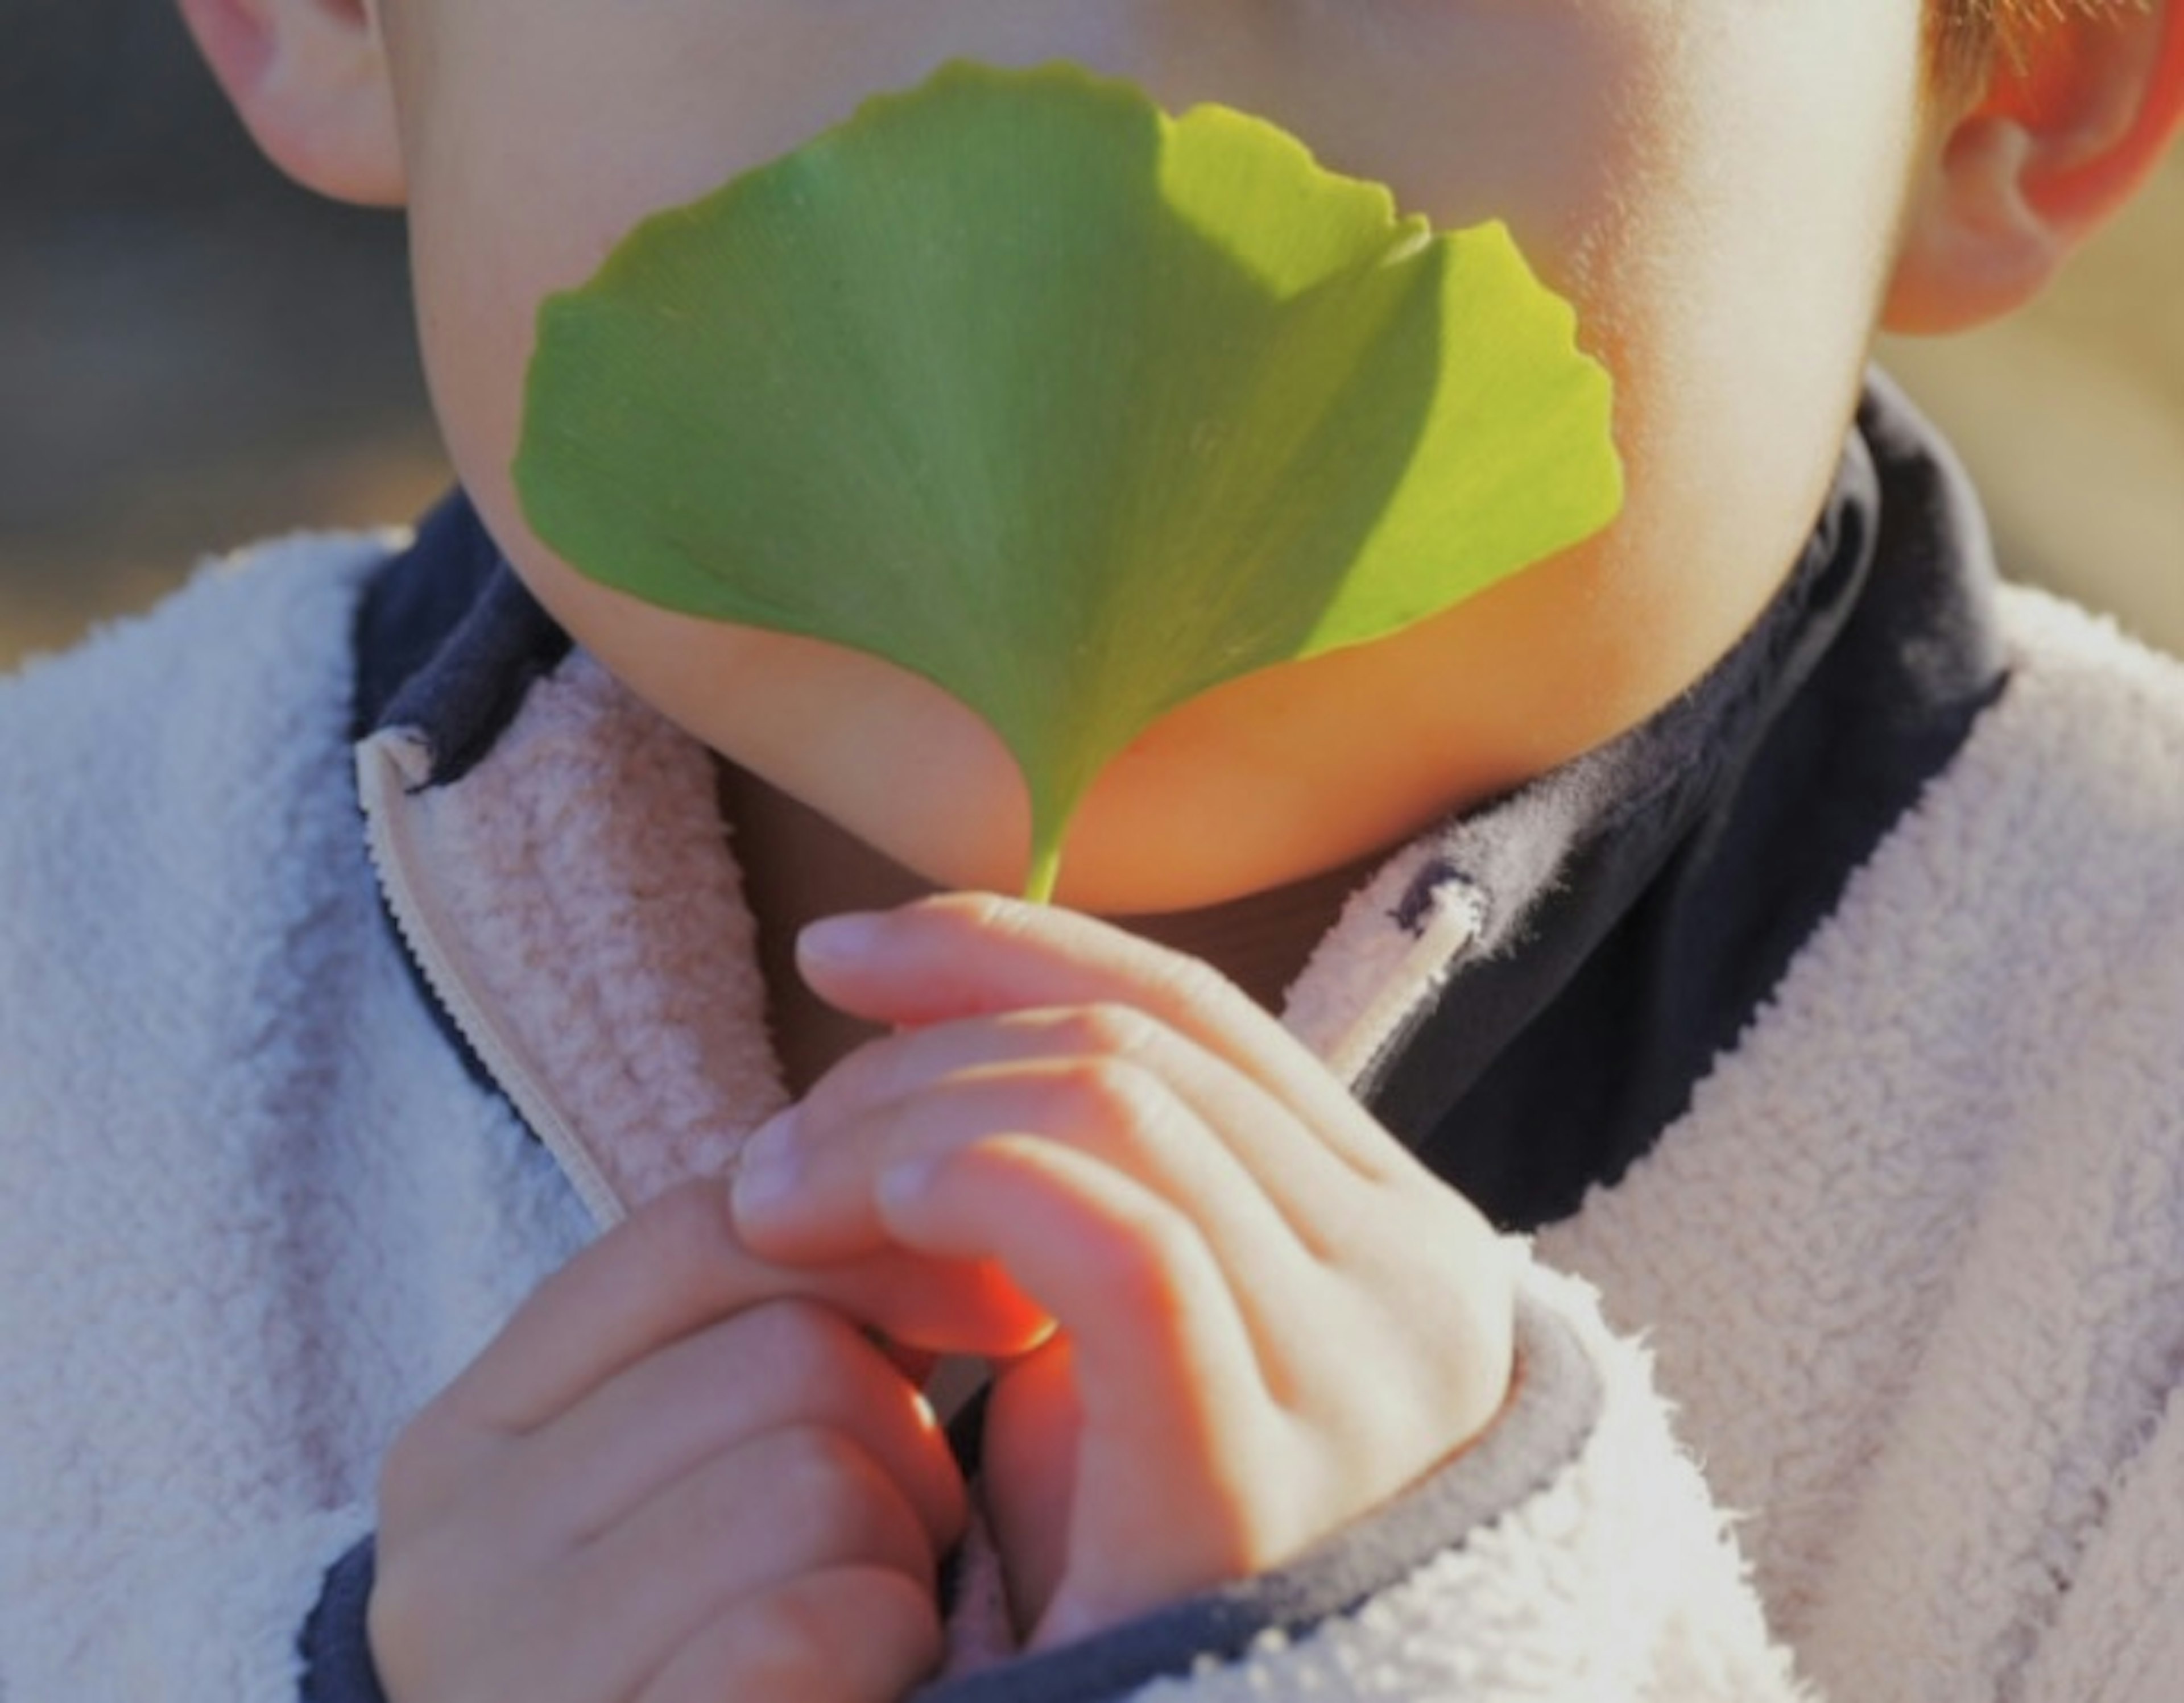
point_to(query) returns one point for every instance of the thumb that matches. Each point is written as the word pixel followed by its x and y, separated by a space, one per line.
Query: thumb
pixel 677 1265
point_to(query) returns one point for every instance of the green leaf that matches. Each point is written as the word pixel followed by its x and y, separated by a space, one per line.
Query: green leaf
pixel 1074 409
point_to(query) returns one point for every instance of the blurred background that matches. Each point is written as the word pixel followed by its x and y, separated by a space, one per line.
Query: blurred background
pixel 193 354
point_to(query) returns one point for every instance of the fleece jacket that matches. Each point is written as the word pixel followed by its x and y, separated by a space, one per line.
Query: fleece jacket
pixel 1852 1379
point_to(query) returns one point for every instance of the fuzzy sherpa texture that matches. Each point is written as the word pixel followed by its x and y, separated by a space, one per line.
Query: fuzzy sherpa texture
pixel 1912 1269
pixel 1618 1579
pixel 1913 1264
pixel 256 1213
pixel 572 897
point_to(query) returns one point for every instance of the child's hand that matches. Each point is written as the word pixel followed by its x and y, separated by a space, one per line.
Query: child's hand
pixel 665 1481
pixel 1271 1317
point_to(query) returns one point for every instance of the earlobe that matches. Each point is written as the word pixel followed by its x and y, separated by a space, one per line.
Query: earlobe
pixel 309 79
pixel 2058 141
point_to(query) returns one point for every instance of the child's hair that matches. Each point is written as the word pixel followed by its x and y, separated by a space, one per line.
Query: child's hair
pixel 1967 34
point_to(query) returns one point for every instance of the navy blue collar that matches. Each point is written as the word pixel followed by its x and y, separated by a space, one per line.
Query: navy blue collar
pixel 1653 892
pixel 448 641
pixel 1642 899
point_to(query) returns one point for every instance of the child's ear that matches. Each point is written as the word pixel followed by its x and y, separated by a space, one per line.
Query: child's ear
pixel 2065 130
pixel 309 79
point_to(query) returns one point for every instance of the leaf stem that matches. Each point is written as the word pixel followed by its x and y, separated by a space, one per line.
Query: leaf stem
pixel 1045 868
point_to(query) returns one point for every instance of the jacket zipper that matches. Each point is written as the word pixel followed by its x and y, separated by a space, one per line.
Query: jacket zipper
pixel 392 765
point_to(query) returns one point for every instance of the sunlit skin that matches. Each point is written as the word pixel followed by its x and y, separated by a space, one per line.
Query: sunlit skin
pixel 1717 186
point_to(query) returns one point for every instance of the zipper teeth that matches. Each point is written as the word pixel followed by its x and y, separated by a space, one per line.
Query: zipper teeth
pixel 381 784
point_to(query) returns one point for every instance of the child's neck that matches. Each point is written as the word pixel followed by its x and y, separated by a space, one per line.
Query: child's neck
pixel 798 866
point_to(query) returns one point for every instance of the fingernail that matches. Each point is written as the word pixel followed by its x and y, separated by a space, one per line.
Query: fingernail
pixel 768 1169
pixel 840 939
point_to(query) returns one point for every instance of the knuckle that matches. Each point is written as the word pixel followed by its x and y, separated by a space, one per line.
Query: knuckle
pixel 1112 1028
pixel 1152 1263
pixel 791 1644
pixel 1109 1094
pixel 426 1595
pixel 1191 984
pixel 686 1233
pixel 785 1645
pixel 419 1465
pixel 824 1471
pixel 408 1462
pixel 394 1612
pixel 804 1346
pixel 846 1507
pixel 858 1078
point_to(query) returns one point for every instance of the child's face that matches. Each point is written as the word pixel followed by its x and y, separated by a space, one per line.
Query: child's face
pixel 1716 183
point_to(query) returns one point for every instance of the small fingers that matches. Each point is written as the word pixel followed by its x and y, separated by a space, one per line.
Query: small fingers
pixel 961 954
pixel 777 1364
pixel 672 1268
pixel 796 1501
pixel 1177 1482
pixel 809 1188
pixel 1154 1325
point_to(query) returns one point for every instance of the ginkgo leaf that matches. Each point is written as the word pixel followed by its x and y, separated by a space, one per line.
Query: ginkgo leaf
pixel 1073 407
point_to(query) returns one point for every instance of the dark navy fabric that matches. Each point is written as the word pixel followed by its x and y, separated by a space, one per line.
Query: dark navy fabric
pixel 1561 861
pixel 337 1664
pixel 449 641
pixel 415 602
pixel 1718 836
pixel 1642 901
